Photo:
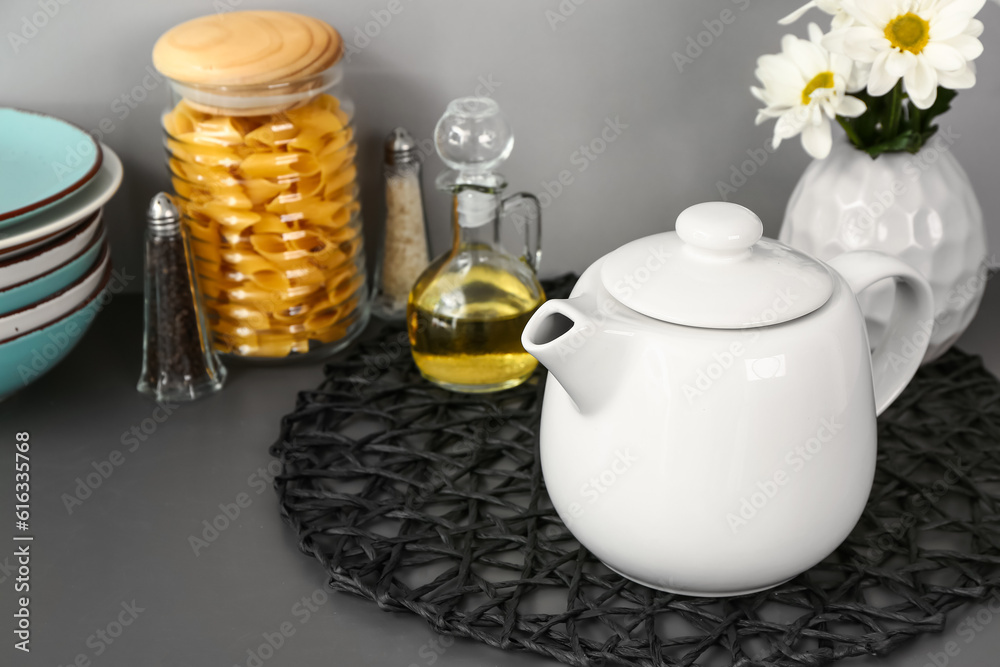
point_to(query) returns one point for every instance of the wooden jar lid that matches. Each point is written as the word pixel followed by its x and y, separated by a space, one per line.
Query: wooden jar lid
pixel 247 48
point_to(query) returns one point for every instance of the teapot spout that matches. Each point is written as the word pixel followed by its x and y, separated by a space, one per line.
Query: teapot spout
pixel 562 337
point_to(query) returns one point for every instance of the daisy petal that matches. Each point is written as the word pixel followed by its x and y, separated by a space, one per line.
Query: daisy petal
pixel 880 81
pixel 787 42
pixel 797 14
pixel 966 8
pixel 834 40
pixel 861 43
pixel 948 26
pixel 789 125
pixel 958 80
pixel 815 114
pixel 859 78
pixel 817 140
pixel 779 65
pixel 808 57
pixel 899 62
pixel 842 20
pixel 815 34
pixel 777 73
pixel 969 47
pixel 942 57
pixel 841 65
pixel 921 84
pixel 769 113
pixel 871 14
pixel 975 28
pixel 851 107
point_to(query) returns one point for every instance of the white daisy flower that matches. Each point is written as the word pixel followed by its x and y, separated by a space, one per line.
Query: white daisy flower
pixel 841 19
pixel 926 43
pixel 805 88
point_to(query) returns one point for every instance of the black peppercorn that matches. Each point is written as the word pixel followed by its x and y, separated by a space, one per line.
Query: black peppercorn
pixel 178 361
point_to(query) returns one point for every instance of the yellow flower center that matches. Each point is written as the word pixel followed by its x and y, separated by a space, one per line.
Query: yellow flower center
pixel 821 80
pixel 908 32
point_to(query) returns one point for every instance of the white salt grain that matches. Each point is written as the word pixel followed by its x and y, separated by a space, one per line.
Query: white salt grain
pixel 405 251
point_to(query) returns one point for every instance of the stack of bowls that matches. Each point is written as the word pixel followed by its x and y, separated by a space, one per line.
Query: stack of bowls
pixel 54 258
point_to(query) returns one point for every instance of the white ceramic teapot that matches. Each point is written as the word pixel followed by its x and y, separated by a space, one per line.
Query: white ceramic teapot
pixel 708 426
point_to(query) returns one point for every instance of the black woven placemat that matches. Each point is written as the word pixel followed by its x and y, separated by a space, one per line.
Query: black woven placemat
pixel 433 503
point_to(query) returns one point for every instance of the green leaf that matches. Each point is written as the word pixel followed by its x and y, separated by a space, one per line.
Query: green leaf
pixel 907 140
pixel 873 131
pixel 941 104
pixel 851 132
pixel 864 125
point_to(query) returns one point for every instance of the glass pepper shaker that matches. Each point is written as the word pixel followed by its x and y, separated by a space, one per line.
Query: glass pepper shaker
pixel 178 363
pixel 404 252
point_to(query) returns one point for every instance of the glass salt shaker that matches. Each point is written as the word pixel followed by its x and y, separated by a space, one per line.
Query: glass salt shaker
pixel 404 252
pixel 179 363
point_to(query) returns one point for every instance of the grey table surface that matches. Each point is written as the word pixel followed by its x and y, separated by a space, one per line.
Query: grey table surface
pixel 115 579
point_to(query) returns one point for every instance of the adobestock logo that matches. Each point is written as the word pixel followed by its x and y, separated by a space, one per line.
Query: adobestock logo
pixel 564 10
pixel 578 336
pixel 739 175
pixel 968 630
pixel 595 487
pixel 584 156
pixel 632 282
pixel 230 512
pixel 909 347
pixel 30 25
pixel 762 368
pixel 796 459
pixel 698 43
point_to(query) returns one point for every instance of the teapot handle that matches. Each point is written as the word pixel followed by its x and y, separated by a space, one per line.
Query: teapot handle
pixel 898 356
pixel 524 210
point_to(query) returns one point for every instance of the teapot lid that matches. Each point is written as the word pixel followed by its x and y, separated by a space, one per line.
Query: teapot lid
pixel 716 272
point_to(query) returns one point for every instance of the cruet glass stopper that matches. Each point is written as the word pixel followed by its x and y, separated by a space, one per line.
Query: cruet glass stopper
pixel 473 138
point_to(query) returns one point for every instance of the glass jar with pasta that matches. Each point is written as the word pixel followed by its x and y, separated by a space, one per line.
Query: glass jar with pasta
pixel 260 147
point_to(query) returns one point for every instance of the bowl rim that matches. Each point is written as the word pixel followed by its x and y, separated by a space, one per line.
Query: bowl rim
pixel 72 187
pixel 99 237
pixel 78 228
pixel 105 254
pixel 61 217
pixel 83 304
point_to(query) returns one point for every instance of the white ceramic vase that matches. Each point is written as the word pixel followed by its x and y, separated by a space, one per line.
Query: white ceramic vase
pixel 920 208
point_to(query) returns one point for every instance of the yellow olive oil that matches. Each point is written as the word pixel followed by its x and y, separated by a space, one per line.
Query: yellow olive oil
pixel 465 327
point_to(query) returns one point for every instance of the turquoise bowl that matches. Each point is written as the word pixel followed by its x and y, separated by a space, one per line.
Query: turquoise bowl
pixel 18 296
pixel 29 356
pixel 43 160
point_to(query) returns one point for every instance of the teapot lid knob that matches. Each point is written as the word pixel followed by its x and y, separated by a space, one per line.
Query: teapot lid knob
pixel 720 228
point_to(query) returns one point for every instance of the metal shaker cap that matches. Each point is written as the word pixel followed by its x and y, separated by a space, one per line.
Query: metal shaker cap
pixel 400 147
pixel 162 212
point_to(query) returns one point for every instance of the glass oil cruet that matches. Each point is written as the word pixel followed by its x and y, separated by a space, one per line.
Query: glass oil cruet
pixel 466 311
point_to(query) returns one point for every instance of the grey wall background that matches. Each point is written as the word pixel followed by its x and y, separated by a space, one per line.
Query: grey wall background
pixel 561 69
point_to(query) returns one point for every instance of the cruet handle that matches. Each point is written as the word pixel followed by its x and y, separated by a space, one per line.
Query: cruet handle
pixel 523 209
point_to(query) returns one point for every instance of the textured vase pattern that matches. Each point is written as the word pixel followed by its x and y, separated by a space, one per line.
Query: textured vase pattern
pixel 920 208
